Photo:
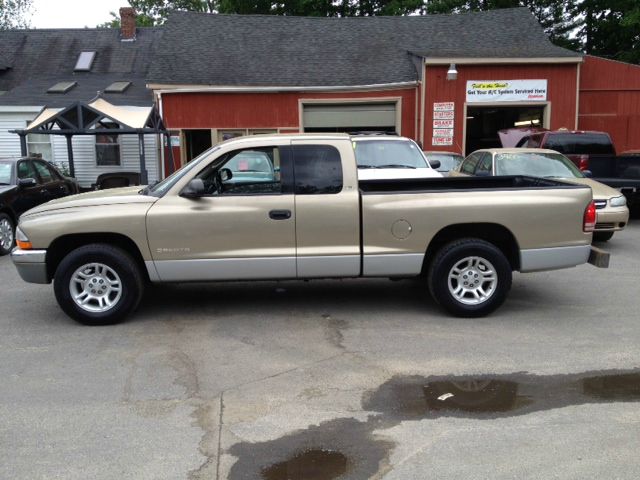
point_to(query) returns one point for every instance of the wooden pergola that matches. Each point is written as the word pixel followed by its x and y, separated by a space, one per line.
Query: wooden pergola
pixel 92 118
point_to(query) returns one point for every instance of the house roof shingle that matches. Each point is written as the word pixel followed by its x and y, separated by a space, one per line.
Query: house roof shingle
pixel 263 50
pixel 36 59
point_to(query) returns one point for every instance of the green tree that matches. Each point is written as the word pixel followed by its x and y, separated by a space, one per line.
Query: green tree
pixel 14 13
pixel 611 28
pixel 559 18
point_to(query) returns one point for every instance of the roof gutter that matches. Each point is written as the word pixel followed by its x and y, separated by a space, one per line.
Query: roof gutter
pixel 166 88
pixel 489 61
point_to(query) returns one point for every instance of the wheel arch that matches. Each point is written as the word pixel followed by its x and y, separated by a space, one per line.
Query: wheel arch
pixel 6 209
pixel 63 245
pixel 494 233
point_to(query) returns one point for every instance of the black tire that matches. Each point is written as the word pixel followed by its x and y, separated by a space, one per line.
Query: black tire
pixel 118 263
pixel 602 236
pixel 7 227
pixel 451 255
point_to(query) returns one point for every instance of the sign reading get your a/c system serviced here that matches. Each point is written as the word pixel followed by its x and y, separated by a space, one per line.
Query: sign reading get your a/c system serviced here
pixel 479 91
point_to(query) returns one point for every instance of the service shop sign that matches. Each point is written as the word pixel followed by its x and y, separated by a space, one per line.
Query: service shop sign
pixel 495 91
pixel 443 116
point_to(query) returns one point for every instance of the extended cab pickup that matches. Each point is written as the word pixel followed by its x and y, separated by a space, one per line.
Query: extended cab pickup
pixel 291 207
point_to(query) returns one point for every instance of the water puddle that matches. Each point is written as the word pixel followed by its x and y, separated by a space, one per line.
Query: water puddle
pixel 343 448
pixel 408 397
pixel 309 465
pixel 346 448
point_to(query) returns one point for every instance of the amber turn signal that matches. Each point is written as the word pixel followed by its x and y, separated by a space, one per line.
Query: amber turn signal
pixel 24 245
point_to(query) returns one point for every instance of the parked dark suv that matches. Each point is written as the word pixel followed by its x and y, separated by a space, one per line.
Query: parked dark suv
pixel 24 184
pixel 582 147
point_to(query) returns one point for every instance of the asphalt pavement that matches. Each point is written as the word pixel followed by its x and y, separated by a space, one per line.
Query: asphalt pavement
pixel 328 379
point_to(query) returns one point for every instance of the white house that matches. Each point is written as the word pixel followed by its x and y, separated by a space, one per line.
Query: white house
pixel 57 67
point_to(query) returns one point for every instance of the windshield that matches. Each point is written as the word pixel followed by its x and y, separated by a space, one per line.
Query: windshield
pixel 448 161
pixel 388 154
pixel 5 173
pixel 161 188
pixel 536 164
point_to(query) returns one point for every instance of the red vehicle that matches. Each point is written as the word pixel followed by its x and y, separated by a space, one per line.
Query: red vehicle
pixel 582 147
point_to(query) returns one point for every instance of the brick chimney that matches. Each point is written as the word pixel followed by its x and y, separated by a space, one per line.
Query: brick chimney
pixel 127 24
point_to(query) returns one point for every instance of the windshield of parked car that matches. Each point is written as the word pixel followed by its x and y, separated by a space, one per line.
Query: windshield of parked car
pixel 535 164
pixel 160 188
pixel 580 143
pixel 5 173
pixel 388 154
pixel 448 161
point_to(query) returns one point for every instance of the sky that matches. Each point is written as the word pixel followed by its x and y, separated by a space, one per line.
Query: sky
pixel 73 13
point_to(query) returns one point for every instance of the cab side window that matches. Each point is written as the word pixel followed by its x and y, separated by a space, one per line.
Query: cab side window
pixel 25 170
pixel 244 172
pixel 469 164
pixel 43 172
pixel 317 169
pixel 484 165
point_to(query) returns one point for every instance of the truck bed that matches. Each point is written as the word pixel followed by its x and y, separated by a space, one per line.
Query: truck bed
pixel 510 182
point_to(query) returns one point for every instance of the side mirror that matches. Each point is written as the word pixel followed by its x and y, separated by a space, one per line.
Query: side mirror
pixel 587 173
pixel 435 164
pixel 27 182
pixel 225 174
pixel 194 189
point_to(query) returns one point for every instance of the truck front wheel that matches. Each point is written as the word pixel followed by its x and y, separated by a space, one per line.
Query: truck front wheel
pixel 98 284
pixel 469 277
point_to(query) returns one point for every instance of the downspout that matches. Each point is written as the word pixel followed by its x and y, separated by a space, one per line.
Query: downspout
pixel 577 97
pixel 423 102
pixel 161 139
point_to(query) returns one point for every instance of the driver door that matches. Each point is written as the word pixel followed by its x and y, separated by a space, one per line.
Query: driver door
pixel 242 228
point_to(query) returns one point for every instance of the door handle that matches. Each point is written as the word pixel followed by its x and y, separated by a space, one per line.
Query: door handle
pixel 280 214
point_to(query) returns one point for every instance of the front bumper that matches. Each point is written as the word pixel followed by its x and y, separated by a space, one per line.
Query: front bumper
pixel 31 265
pixel 611 219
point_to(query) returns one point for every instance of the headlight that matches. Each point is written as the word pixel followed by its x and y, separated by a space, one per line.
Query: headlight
pixel 620 201
pixel 22 241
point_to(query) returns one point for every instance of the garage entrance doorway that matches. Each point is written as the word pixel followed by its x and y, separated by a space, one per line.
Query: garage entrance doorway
pixel 196 141
pixel 349 117
pixel 484 122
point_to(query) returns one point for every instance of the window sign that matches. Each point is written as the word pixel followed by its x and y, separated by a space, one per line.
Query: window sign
pixel 479 91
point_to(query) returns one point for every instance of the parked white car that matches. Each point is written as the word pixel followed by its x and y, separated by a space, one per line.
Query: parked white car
pixel 388 157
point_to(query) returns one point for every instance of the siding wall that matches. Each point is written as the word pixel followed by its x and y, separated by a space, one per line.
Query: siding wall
pixel 561 93
pixel 208 110
pixel 83 150
pixel 10 142
pixel 610 100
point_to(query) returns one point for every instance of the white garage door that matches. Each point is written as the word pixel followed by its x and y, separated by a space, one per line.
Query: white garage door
pixel 346 117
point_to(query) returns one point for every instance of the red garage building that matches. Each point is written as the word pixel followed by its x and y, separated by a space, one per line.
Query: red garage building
pixel 448 81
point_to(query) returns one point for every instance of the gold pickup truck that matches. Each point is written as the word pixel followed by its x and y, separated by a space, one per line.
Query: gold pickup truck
pixel 291 207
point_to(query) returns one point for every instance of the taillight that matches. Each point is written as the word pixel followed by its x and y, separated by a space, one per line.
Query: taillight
pixel 583 162
pixel 589 221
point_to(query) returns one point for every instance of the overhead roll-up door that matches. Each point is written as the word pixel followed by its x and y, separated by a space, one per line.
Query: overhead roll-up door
pixel 345 116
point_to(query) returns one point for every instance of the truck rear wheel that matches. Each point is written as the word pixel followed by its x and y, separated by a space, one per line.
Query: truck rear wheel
pixel 98 284
pixel 469 277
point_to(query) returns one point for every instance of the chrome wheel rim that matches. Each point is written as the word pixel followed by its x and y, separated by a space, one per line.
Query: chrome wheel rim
pixel 95 287
pixel 6 234
pixel 472 280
